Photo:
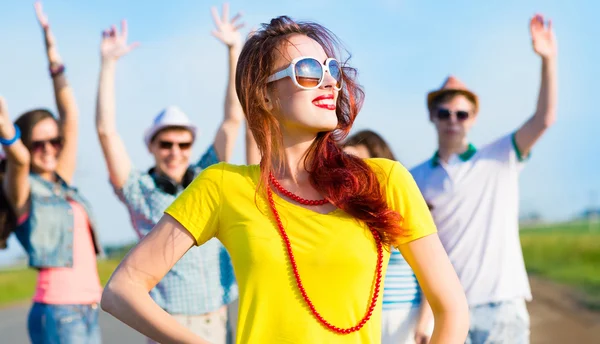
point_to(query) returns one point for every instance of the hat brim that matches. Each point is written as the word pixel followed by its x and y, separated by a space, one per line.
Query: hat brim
pixel 431 96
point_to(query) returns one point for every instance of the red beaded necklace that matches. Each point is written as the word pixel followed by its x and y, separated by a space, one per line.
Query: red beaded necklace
pixel 293 196
pixel 288 245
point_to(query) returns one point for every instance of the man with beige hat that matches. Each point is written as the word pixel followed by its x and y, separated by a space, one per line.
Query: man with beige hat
pixel 473 194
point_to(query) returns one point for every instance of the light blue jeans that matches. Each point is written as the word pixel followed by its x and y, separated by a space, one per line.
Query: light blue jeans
pixel 505 322
pixel 64 324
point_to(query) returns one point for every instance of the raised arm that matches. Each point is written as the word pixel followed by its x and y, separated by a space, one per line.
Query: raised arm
pixel 16 179
pixel 113 46
pixel 126 294
pixel 544 44
pixel 65 100
pixel 252 152
pixel 227 32
pixel 441 287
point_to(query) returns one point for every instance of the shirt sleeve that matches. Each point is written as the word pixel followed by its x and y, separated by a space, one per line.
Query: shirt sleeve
pixel 135 194
pixel 198 208
pixel 209 158
pixel 505 150
pixel 404 196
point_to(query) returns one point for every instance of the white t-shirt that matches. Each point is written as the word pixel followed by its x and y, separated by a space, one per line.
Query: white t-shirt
pixel 474 200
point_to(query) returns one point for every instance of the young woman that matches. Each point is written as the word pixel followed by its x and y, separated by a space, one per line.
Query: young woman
pixel 405 317
pixel 54 222
pixel 309 229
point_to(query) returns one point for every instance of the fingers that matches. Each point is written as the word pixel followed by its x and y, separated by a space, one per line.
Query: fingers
pixel 538 20
pixel 41 16
pixel 39 11
pixel 114 32
pixel 133 46
pixel 124 30
pixel 225 12
pixel 217 34
pixel 237 17
pixel 3 107
pixel 239 26
pixel 215 16
pixel 536 23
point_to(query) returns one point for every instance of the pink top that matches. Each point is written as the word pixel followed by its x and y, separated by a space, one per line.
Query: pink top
pixel 78 284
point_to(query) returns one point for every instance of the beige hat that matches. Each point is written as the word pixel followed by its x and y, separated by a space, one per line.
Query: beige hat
pixel 452 84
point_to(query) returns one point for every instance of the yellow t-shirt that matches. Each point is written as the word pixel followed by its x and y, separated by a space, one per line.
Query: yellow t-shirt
pixel 336 254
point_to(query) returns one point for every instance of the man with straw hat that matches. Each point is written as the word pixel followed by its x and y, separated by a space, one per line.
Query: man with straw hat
pixel 473 194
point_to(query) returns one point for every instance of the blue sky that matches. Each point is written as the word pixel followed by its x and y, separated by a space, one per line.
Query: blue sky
pixel 401 48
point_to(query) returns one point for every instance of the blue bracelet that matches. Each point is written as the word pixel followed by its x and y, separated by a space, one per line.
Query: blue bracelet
pixel 6 142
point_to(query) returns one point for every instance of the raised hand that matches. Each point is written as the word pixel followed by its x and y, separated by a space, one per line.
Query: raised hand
pixel 542 37
pixel 3 111
pixel 6 125
pixel 114 43
pixel 42 19
pixel 41 16
pixel 227 30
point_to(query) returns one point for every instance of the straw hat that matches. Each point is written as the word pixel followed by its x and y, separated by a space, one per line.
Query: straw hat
pixel 452 84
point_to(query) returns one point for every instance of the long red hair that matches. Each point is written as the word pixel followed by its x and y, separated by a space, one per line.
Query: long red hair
pixel 346 181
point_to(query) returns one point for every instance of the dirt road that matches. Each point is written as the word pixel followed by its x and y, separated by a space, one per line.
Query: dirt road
pixel 558 318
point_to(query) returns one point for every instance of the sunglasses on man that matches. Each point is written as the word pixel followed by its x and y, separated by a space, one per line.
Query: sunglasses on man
pixel 170 144
pixel 444 114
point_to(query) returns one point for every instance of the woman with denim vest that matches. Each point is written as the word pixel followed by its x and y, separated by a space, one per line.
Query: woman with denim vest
pixel 53 221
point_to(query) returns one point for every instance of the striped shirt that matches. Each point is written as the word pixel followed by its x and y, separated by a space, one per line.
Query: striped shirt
pixel 401 288
pixel 202 281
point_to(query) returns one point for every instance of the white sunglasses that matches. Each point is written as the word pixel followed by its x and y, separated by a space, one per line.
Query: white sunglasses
pixel 308 73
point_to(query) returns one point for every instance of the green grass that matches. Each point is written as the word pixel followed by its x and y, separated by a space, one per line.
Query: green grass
pixel 569 254
pixel 18 284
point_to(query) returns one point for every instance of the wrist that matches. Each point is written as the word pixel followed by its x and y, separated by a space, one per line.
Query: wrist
pixel 9 134
pixel 549 59
pixel 56 69
pixel 107 62
pixel 7 131
pixel 235 47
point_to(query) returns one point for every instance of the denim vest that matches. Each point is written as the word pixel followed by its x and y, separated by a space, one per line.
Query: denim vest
pixel 47 234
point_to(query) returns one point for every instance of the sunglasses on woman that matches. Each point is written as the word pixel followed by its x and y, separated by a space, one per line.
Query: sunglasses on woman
pixel 56 143
pixel 444 114
pixel 308 73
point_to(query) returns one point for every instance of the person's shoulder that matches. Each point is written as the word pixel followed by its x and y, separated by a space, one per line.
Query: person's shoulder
pixel 499 144
pixel 387 170
pixel 422 167
pixel 381 163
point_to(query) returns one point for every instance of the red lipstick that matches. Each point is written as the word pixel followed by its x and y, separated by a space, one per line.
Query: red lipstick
pixel 321 101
